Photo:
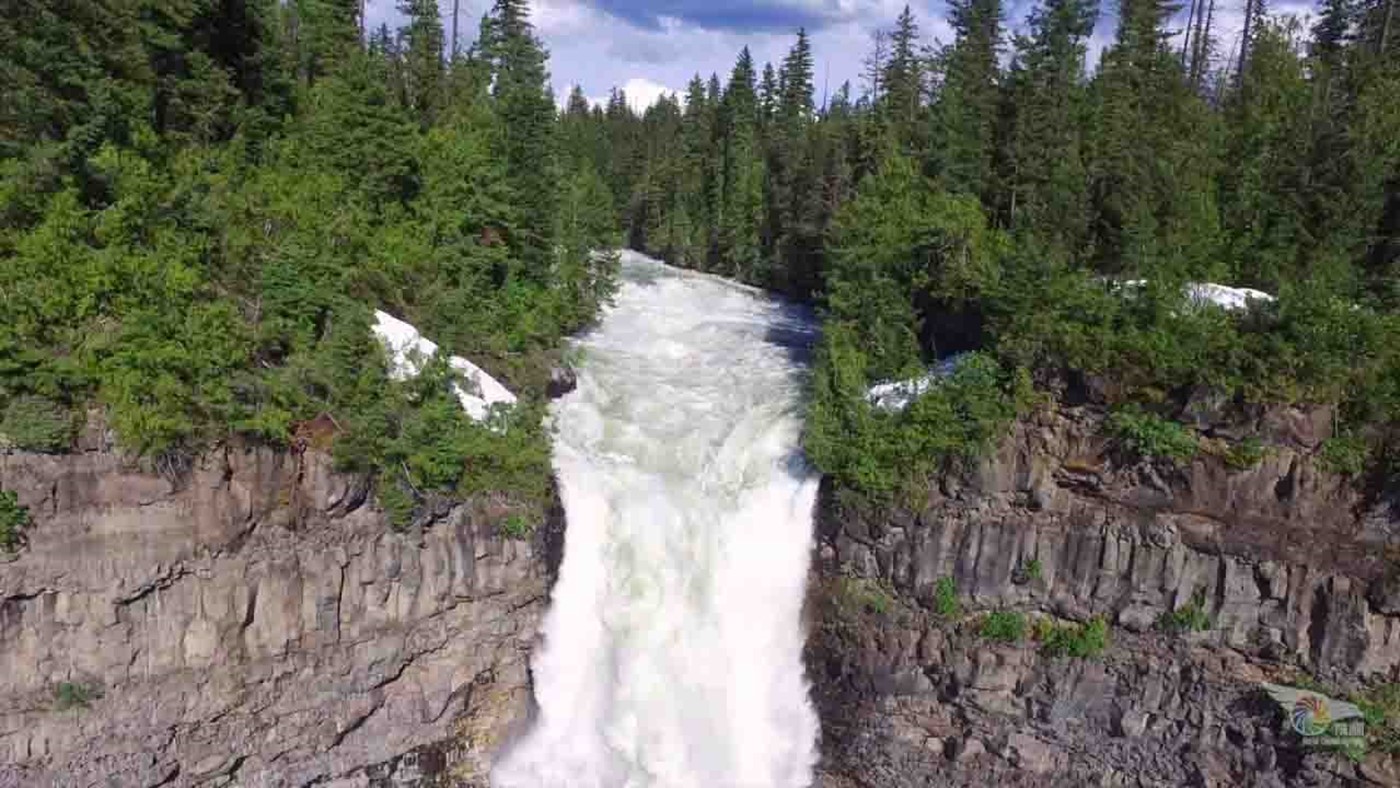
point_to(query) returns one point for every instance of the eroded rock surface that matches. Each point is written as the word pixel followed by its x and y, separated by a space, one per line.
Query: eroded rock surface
pixel 1293 568
pixel 255 623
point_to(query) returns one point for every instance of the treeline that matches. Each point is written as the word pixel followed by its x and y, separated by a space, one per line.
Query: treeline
pixel 952 203
pixel 204 201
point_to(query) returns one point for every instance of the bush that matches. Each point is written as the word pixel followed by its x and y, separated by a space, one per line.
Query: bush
pixel 1347 455
pixel 1246 454
pixel 885 454
pixel 37 424
pixel 1150 435
pixel 1190 617
pixel 13 520
pixel 945 598
pixel 517 526
pixel 1033 569
pixel 70 695
pixel 1083 641
pixel 1003 626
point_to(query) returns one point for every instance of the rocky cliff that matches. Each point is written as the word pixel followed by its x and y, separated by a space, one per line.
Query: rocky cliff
pixel 255 623
pixel 1288 570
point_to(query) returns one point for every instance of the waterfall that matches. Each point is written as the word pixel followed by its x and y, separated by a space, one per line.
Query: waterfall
pixel 672 649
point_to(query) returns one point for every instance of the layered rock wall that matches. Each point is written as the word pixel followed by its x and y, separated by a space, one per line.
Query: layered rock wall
pixel 1292 567
pixel 254 623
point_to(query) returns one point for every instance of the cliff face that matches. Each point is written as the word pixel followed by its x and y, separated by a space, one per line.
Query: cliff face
pixel 256 624
pixel 1290 564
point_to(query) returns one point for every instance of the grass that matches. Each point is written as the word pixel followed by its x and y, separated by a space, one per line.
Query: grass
pixel 71 695
pixel 945 598
pixel 1190 617
pixel 1034 569
pixel 1082 641
pixel 1003 626
pixel 517 526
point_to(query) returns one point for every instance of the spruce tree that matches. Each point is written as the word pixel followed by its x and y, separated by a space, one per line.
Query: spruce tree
pixel 964 117
pixel 516 61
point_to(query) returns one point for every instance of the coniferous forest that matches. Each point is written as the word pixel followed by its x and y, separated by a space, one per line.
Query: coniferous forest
pixel 204 200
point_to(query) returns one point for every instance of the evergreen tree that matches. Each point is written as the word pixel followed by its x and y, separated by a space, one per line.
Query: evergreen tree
pixel 1041 163
pixel 903 77
pixel 423 69
pixel 516 61
pixel 964 117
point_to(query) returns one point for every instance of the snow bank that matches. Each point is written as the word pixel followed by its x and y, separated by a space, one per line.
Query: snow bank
pixel 1230 298
pixel 408 351
pixel 894 396
pixel 1212 294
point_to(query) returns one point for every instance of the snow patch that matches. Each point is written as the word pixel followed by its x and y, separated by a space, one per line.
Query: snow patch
pixel 409 350
pixel 893 396
pixel 1224 296
pixel 1211 294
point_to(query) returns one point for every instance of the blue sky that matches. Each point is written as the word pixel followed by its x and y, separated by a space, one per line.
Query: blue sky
pixel 649 47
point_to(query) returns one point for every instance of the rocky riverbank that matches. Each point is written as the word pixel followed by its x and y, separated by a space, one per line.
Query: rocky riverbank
pixel 256 622
pixel 1287 569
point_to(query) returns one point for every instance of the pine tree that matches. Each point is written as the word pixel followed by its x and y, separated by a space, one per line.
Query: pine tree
pixel 741 178
pixel 965 114
pixel 1042 167
pixel 423 68
pixel 520 87
pixel 903 76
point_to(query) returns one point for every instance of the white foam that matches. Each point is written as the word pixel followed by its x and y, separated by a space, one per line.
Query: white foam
pixel 672 650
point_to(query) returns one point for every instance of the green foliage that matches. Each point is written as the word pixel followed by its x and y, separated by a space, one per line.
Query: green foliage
pixel 1190 617
pixel 1245 454
pixel 1081 641
pixel 1345 454
pixel 13 520
pixel 945 598
pixel 230 196
pixel 517 526
pixel 72 695
pixel 864 595
pixel 883 453
pixel 33 423
pixel 1381 706
pixel 1003 626
pixel 1150 435
pixel 1033 569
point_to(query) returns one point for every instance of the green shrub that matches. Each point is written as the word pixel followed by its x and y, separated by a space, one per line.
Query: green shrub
pixel 36 424
pixel 70 695
pixel 13 520
pixel 1003 626
pixel 1381 705
pixel 1150 435
pixel 945 598
pixel 1034 570
pixel 884 454
pixel 1190 617
pixel 1083 641
pixel 517 526
pixel 1246 454
pixel 864 595
pixel 1347 455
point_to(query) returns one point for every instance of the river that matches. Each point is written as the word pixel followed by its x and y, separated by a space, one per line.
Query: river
pixel 672 650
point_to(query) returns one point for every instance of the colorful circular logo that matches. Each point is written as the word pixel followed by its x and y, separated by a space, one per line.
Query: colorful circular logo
pixel 1310 716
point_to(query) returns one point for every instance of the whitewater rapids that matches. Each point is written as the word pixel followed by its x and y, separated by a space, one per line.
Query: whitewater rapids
pixel 672 650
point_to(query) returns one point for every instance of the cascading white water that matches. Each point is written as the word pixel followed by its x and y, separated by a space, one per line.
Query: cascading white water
pixel 672 647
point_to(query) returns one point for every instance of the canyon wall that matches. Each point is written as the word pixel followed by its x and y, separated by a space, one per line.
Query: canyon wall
pixel 1294 569
pixel 256 622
